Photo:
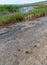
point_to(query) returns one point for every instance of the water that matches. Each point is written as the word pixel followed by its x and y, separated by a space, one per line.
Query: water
pixel 26 9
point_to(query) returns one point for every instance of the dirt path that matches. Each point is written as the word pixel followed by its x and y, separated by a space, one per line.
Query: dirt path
pixel 24 43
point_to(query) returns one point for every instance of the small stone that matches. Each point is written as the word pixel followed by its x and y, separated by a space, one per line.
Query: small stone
pixel 27 52
pixel 19 50
pixel 35 45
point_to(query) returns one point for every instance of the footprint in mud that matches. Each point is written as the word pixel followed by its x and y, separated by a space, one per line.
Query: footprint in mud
pixel 38 20
pixel 31 23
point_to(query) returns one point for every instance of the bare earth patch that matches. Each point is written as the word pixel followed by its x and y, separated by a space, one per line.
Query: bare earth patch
pixel 24 43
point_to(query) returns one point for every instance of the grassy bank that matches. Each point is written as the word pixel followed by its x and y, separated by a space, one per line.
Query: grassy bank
pixel 41 10
pixel 11 18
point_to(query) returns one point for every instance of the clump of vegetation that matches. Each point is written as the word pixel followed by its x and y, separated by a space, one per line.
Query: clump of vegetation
pixel 9 8
pixel 11 18
pixel 41 10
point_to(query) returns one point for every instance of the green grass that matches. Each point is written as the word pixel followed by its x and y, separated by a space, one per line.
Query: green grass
pixel 8 7
pixel 9 18
pixel 41 10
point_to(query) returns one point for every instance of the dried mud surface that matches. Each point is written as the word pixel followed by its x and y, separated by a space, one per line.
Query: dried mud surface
pixel 24 43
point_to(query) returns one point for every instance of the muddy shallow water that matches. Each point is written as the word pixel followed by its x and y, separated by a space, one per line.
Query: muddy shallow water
pixel 26 9
pixel 24 43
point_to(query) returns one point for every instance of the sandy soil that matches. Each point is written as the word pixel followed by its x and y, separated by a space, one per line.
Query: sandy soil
pixel 24 43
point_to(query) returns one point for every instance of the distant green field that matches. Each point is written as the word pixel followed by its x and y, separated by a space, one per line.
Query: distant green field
pixel 41 10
